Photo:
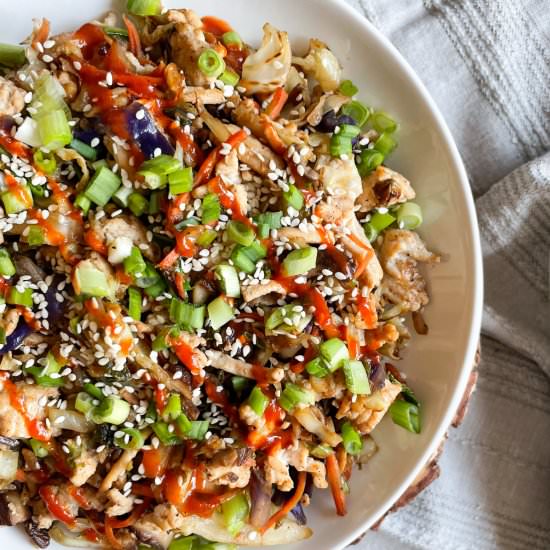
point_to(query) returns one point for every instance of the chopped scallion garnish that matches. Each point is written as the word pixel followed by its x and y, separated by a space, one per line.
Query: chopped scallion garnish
pixel 300 261
pixel 210 63
pixel 406 415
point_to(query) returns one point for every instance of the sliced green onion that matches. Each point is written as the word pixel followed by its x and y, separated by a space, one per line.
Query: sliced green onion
pixel 183 424
pixel 357 379
pixel 12 56
pixel 17 202
pixel 406 415
pixel 121 195
pixel 230 77
pixel 137 204
pixel 180 181
pixel 48 375
pixel 211 209
pixel 173 407
pixel 356 110
pixel 231 38
pixel 293 395
pixel 334 352
pixel 44 161
pixel 153 180
pixel 166 437
pixel 207 237
pixel 229 280
pixel 288 319
pixel 340 145
pixel 210 63
pixel 242 261
pixel 134 303
pixel 144 7
pixel 93 390
pixel 83 202
pixel 317 367
pixel 293 197
pixel 186 315
pixel 131 438
pixel 2 335
pixel 54 129
pixel 369 159
pixel 155 201
pixel 258 401
pixel 38 191
pixel 219 312
pixel 382 122
pixel 39 449
pixel 263 230
pixel 7 267
pixel 84 402
pixel 35 236
pixel 409 216
pixel 112 410
pixel 235 513
pixel 134 264
pixel 90 280
pixel 240 233
pixel 240 384
pixel 353 444
pixel 256 251
pixel 385 144
pixel 102 186
pixel 163 164
pixel 348 88
pixel 187 223
pixel 88 152
pixel 160 342
pixel 378 222
pixel 198 429
pixel 17 298
pixel 154 290
pixel 300 261
pixel 349 131
pixel 271 219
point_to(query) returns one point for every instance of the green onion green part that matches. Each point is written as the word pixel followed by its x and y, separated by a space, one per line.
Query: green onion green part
pixel 353 444
pixel 348 88
pixel 406 415
pixel 300 261
pixel 210 63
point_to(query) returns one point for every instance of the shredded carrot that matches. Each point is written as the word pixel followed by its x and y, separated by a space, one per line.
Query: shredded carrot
pixel 287 507
pixel 215 25
pixel 277 103
pixel 180 281
pixel 113 541
pixel 335 484
pixel 207 167
pixel 122 277
pixel 234 140
pixel 137 512
pixel 169 260
pixel 42 32
pixel 133 37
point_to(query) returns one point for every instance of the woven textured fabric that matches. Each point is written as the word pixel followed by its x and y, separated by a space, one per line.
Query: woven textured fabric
pixel 490 80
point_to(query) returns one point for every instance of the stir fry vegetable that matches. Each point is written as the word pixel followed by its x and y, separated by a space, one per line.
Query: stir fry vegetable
pixel 205 270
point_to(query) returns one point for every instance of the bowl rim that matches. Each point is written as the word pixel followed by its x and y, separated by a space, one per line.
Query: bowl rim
pixel 476 269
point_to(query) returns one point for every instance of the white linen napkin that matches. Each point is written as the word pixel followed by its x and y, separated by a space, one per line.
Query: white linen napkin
pixel 490 79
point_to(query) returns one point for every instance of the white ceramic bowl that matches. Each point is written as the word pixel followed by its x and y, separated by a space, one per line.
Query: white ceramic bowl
pixel 437 365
